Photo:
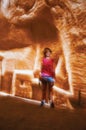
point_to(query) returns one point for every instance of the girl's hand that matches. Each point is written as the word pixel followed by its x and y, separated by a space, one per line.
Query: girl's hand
pixel 36 73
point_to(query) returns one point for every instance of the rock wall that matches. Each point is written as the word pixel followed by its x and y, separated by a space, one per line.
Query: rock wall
pixel 30 26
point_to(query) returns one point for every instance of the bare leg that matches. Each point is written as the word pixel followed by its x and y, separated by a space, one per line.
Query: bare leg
pixel 44 87
pixel 51 95
pixel 50 92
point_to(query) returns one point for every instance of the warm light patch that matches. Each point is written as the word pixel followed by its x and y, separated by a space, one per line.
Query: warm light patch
pixel 61 91
pixel 37 57
pixel 35 102
pixel 16 53
pixel 27 72
pixel 4 94
pixel 67 53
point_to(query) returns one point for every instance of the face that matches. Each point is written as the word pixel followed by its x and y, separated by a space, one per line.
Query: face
pixel 48 53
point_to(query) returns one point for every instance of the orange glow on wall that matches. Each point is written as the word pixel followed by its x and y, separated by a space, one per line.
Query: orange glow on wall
pixel 27 30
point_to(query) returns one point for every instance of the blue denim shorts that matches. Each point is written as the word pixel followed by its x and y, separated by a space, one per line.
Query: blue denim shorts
pixel 49 79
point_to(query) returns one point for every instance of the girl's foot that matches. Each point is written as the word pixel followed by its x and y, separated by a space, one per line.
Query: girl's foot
pixel 42 103
pixel 52 105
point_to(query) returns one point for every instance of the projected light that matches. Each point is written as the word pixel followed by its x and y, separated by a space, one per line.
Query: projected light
pixel 61 91
pixel 4 8
pixel 4 94
pixel 34 102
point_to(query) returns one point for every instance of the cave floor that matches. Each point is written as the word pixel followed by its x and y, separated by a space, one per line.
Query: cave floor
pixel 17 114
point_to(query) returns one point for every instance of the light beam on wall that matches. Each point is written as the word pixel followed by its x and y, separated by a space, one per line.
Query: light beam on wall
pixel 61 91
pixel 4 7
pixel 35 102
pixel 4 94
pixel 37 57
pixel 67 51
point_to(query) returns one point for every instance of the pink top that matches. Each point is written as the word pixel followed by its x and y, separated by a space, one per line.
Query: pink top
pixel 47 67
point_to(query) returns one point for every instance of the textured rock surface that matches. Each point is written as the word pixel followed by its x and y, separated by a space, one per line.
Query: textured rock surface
pixel 29 26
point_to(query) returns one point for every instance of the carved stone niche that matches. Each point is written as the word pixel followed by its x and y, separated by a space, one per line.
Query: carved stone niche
pixel 25 85
pixel 21 83
pixel 8 66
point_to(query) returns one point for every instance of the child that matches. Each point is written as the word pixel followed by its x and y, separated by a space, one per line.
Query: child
pixel 47 76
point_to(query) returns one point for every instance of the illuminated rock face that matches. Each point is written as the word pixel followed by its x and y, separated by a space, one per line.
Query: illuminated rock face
pixel 30 26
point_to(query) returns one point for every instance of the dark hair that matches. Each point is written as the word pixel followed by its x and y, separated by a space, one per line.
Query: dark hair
pixel 45 51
